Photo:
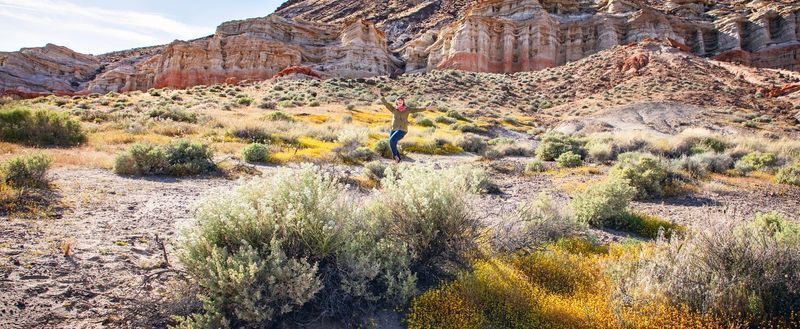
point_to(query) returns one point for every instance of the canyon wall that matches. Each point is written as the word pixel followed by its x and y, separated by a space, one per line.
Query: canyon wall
pixel 505 36
pixel 356 38
pixel 253 49
pixel 50 69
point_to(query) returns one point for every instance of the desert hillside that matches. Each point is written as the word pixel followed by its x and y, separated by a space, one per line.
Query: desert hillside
pixel 566 164
pixel 356 39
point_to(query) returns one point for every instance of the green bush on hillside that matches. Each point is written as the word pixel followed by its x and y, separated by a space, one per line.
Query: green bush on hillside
pixel 39 127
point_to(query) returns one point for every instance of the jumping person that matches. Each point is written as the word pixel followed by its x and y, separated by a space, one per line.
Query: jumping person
pixel 400 114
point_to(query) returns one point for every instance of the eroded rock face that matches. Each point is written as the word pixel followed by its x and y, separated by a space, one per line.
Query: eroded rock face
pixel 356 38
pixel 506 36
pixel 257 49
pixel 50 69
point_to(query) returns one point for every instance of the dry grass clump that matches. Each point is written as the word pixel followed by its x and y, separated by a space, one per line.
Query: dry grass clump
pixel 741 272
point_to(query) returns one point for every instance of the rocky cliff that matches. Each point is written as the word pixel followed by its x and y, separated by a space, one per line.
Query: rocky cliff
pixel 255 49
pixel 356 38
pixel 50 69
pixel 523 35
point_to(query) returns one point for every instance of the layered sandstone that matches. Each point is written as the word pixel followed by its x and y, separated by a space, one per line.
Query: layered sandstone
pixel 522 35
pixel 356 38
pixel 50 69
pixel 253 49
pixel 256 49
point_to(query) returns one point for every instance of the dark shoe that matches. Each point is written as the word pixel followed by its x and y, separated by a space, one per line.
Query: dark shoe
pixel 397 158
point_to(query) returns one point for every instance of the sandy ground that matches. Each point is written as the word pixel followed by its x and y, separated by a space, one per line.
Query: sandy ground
pixel 116 228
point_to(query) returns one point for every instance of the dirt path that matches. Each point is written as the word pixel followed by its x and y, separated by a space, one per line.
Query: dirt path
pixel 111 223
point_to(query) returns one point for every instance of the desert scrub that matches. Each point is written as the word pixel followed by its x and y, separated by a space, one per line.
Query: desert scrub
pixel 181 158
pixel 375 170
pixel 533 224
pixel 603 204
pixel 648 226
pixel 699 165
pixel 430 211
pixel 534 167
pixel 256 153
pixel 645 172
pixel 26 171
pixel 292 241
pixel 278 116
pixel 789 174
pixel 382 148
pixel 555 144
pixel 39 127
pixel 434 146
pixel 173 114
pixel 453 114
pixel 569 160
pixel 755 161
pixel 425 122
pixel 472 143
pixel 725 267
pixel 467 127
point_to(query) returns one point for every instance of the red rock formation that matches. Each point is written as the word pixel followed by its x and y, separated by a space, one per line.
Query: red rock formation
pixel 302 70
pixel 257 49
pixel 779 91
pixel 634 63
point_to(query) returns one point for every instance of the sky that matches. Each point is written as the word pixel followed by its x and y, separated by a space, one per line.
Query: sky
pixel 101 26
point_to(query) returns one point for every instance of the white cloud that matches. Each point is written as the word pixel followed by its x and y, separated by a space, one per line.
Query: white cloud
pixel 87 29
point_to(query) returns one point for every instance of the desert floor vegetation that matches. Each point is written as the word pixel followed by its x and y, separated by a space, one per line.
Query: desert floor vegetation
pixel 497 220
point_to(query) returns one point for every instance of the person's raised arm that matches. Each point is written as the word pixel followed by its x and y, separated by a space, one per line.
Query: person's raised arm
pixel 420 109
pixel 383 100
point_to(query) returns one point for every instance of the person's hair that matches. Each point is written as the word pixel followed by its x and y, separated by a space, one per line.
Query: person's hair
pixel 399 98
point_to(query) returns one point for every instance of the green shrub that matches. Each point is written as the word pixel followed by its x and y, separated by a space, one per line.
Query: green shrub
pixel 244 101
pixel 173 114
pixel 425 122
pixel 430 210
pixel 778 227
pixel 645 172
pixel 648 226
pixel 603 204
pixel 455 115
pixel 29 171
pixel 39 128
pixel 789 175
pixel 256 153
pixel 569 160
pixel 186 159
pixel 253 134
pixel 467 128
pixel 142 160
pixel 181 158
pixel 268 105
pixel 382 148
pixel 472 143
pixel 534 167
pixel 279 116
pixel 445 120
pixel 291 242
pixel 555 144
pixel 375 170
pixel 755 161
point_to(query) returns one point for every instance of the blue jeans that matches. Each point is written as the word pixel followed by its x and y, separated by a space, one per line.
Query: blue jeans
pixel 394 137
